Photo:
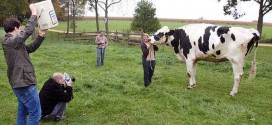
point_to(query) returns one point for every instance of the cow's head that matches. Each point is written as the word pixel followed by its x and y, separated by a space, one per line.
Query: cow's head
pixel 163 35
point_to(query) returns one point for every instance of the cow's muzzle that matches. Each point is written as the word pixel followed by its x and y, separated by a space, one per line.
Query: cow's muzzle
pixel 156 37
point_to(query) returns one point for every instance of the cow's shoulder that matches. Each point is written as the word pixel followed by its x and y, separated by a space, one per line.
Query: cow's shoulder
pixel 181 41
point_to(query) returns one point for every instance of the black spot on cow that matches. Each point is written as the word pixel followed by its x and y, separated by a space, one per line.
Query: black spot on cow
pixel 199 42
pixel 160 34
pixel 194 43
pixel 171 32
pixel 175 44
pixel 222 30
pixel 214 56
pixel 181 41
pixel 213 28
pixel 212 46
pixel 249 46
pixel 251 43
pixel 222 39
pixel 218 52
pixel 256 38
pixel 204 47
pixel 232 37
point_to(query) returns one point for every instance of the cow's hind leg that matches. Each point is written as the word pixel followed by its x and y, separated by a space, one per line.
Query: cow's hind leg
pixel 191 71
pixel 238 74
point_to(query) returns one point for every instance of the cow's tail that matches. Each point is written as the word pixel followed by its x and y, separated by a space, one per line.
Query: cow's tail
pixel 253 69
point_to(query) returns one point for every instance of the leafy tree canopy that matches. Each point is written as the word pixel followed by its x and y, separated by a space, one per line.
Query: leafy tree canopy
pixel 144 18
pixel 265 6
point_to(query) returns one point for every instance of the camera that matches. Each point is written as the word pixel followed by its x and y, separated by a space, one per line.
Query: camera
pixel 73 78
pixel 67 78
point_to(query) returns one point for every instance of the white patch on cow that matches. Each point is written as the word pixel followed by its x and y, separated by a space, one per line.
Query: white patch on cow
pixel 180 57
pixel 164 29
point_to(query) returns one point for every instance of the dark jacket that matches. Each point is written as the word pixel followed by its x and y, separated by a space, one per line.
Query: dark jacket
pixel 145 50
pixel 52 93
pixel 20 70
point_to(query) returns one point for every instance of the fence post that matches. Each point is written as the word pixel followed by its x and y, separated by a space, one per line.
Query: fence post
pixel 127 36
pixel 116 36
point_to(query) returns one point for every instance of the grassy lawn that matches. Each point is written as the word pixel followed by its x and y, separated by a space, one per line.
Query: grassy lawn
pixel 115 94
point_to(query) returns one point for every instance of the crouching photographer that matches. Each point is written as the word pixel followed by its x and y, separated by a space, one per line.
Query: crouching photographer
pixel 55 93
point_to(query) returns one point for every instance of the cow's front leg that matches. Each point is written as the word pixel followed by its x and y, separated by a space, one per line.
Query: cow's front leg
pixel 237 74
pixel 191 71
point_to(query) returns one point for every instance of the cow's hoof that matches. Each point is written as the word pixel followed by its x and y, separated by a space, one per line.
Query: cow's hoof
pixel 232 93
pixel 191 86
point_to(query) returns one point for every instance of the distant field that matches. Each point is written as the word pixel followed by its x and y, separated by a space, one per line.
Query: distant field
pixel 124 25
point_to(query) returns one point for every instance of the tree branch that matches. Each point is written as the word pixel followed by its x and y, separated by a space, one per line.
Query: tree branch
pixel 114 3
pixel 267 6
pixel 101 6
pixel 102 2
pixel 258 1
pixel 266 11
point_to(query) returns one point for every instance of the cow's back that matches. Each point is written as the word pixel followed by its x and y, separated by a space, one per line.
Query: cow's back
pixel 214 43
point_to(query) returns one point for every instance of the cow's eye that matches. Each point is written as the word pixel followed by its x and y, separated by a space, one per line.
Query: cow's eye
pixel 156 37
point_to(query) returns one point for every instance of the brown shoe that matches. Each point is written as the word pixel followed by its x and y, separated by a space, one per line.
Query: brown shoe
pixel 58 118
pixel 47 117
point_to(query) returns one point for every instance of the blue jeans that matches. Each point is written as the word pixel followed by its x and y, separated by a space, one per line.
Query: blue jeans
pixel 28 105
pixel 149 68
pixel 100 56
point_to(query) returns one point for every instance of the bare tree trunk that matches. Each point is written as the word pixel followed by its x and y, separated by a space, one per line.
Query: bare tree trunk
pixel 260 19
pixel 68 17
pixel 94 5
pixel 96 15
pixel 105 8
pixel 74 16
pixel 106 22
pixel 106 17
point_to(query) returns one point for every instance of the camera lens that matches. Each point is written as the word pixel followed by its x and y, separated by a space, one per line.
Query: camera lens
pixel 73 78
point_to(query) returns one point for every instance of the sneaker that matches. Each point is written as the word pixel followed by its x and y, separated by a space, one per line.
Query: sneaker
pixel 58 118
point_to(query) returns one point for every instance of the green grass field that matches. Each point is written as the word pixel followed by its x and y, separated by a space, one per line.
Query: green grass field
pixel 115 94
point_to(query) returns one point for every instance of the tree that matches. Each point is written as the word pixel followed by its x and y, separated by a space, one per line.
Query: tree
pixel 144 18
pixel 78 7
pixel 106 7
pixel 59 9
pixel 19 10
pixel 72 8
pixel 94 5
pixel 265 6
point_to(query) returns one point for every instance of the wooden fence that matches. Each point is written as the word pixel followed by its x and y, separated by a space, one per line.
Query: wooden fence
pixel 130 38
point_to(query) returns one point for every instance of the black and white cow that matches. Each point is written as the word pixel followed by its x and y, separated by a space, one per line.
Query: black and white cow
pixel 207 42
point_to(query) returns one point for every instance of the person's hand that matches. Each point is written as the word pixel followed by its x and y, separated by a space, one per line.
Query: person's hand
pixel 33 9
pixel 42 32
pixel 148 45
pixel 69 83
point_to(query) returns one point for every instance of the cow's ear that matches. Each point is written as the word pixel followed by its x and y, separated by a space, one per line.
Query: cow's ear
pixel 171 32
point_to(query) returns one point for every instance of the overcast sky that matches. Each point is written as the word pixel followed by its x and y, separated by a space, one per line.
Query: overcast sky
pixel 188 9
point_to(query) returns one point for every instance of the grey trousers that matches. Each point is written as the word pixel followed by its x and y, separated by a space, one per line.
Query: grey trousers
pixel 58 110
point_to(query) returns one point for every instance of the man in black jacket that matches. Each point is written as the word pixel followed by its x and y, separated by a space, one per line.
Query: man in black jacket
pixel 54 95
pixel 20 70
